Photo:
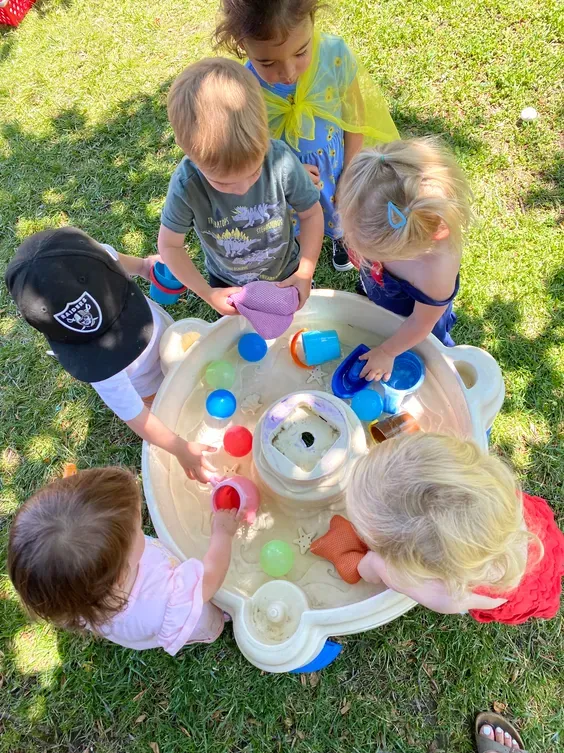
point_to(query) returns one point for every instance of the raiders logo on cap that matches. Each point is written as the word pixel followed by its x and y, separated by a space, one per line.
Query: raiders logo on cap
pixel 81 315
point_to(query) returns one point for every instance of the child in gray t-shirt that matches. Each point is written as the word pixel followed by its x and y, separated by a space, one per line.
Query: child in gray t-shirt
pixel 236 188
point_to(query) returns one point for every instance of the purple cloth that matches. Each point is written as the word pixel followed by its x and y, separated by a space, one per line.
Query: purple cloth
pixel 269 309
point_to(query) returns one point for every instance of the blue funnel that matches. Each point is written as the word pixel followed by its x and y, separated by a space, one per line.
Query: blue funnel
pixel 407 376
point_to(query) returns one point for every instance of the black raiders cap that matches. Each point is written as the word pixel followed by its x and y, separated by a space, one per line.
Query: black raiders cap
pixel 67 286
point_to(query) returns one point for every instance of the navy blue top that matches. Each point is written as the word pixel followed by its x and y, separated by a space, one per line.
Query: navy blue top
pixel 400 296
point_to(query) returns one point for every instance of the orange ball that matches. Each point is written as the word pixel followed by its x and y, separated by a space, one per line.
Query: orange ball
pixel 238 441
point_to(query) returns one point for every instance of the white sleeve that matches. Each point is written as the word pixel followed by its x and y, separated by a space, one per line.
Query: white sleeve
pixel 120 395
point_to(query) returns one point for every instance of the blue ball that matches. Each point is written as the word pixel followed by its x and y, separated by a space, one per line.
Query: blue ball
pixel 221 404
pixel 252 347
pixel 367 404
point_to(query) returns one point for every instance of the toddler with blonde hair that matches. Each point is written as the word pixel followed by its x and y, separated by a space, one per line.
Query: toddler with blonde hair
pixel 403 207
pixel 235 187
pixel 78 558
pixel 446 526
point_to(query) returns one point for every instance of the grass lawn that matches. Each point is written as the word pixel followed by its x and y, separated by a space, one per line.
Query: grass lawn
pixel 84 140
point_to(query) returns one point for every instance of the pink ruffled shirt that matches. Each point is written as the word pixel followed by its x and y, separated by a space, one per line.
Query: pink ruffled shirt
pixel 165 607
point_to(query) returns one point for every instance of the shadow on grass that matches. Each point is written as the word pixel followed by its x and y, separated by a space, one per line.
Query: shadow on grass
pixel 103 178
pixel 44 7
pixel 7 41
pixel 533 359
pixel 410 123
pixel 549 191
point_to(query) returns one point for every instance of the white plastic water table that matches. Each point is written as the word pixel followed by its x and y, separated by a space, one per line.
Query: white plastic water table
pixel 281 625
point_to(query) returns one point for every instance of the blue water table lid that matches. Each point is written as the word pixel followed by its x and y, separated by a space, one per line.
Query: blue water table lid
pixel 346 380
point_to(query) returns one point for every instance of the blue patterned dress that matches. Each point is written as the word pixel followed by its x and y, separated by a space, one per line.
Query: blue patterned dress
pixel 327 150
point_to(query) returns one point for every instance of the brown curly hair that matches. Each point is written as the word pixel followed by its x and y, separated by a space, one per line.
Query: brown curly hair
pixel 69 545
pixel 260 19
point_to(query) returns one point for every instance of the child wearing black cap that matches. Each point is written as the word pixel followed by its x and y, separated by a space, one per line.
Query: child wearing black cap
pixel 101 327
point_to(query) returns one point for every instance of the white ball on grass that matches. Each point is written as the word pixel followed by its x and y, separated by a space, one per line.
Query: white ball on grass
pixel 528 114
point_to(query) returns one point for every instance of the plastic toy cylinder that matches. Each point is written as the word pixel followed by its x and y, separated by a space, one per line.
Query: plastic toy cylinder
pixel 320 347
pixel 165 288
pixel 249 496
pixel 399 424
pixel 392 399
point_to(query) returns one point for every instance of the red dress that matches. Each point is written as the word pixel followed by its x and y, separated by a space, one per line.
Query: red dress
pixel 538 593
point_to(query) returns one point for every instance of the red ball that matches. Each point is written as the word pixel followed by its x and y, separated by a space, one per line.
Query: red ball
pixel 238 441
pixel 227 498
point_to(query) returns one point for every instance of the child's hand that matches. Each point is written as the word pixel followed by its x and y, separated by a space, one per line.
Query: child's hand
pixel 313 171
pixel 225 521
pixel 147 264
pixel 302 283
pixel 379 365
pixel 217 299
pixel 191 458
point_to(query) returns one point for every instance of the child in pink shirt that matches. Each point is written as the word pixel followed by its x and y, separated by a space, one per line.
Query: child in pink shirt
pixel 78 558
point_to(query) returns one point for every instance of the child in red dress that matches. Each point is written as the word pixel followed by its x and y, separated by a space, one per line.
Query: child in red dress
pixel 445 525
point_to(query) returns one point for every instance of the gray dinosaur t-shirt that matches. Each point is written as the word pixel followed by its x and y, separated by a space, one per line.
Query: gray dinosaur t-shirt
pixel 249 237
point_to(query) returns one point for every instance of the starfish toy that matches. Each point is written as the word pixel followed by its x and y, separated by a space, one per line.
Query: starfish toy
pixel 316 375
pixel 304 540
pixel 230 471
pixel 251 403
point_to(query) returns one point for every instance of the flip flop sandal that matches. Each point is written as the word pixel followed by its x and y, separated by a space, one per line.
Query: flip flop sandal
pixel 484 744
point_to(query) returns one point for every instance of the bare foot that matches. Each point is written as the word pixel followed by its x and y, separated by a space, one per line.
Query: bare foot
pixel 499 736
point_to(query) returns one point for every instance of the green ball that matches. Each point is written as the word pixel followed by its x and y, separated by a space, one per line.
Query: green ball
pixel 276 558
pixel 220 375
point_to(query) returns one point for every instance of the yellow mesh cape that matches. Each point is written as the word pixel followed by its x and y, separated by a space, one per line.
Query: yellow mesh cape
pixel 349 99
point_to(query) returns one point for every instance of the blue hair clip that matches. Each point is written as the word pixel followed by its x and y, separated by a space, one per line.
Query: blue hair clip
pixel 396 218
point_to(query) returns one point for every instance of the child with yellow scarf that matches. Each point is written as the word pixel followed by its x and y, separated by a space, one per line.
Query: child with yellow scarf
pixel 319 98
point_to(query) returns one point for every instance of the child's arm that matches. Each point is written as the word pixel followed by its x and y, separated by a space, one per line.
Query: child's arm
pixel 189 454
pixel 353 145
pixel 218 556
pixel 434 276
pixel 369 568
pixel 353 141
pixel 431 594
pixel 171 249
pixel 311 238
pixel 380 360
pixel 133 265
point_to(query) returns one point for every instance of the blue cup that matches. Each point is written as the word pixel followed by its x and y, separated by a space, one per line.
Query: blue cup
pixel 407 376
pixel 320 347
pixel 165 288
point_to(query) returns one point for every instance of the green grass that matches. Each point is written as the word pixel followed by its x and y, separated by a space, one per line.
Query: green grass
pixel 84 140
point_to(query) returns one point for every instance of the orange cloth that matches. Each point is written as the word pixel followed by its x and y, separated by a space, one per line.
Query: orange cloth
pixel 342 546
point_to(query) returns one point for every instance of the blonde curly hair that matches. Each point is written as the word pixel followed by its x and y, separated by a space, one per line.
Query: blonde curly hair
pixel 437 507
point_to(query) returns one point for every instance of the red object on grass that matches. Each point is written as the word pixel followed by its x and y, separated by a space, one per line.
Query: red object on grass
pixel 238 441
pixel 13 12
pixel 227 498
